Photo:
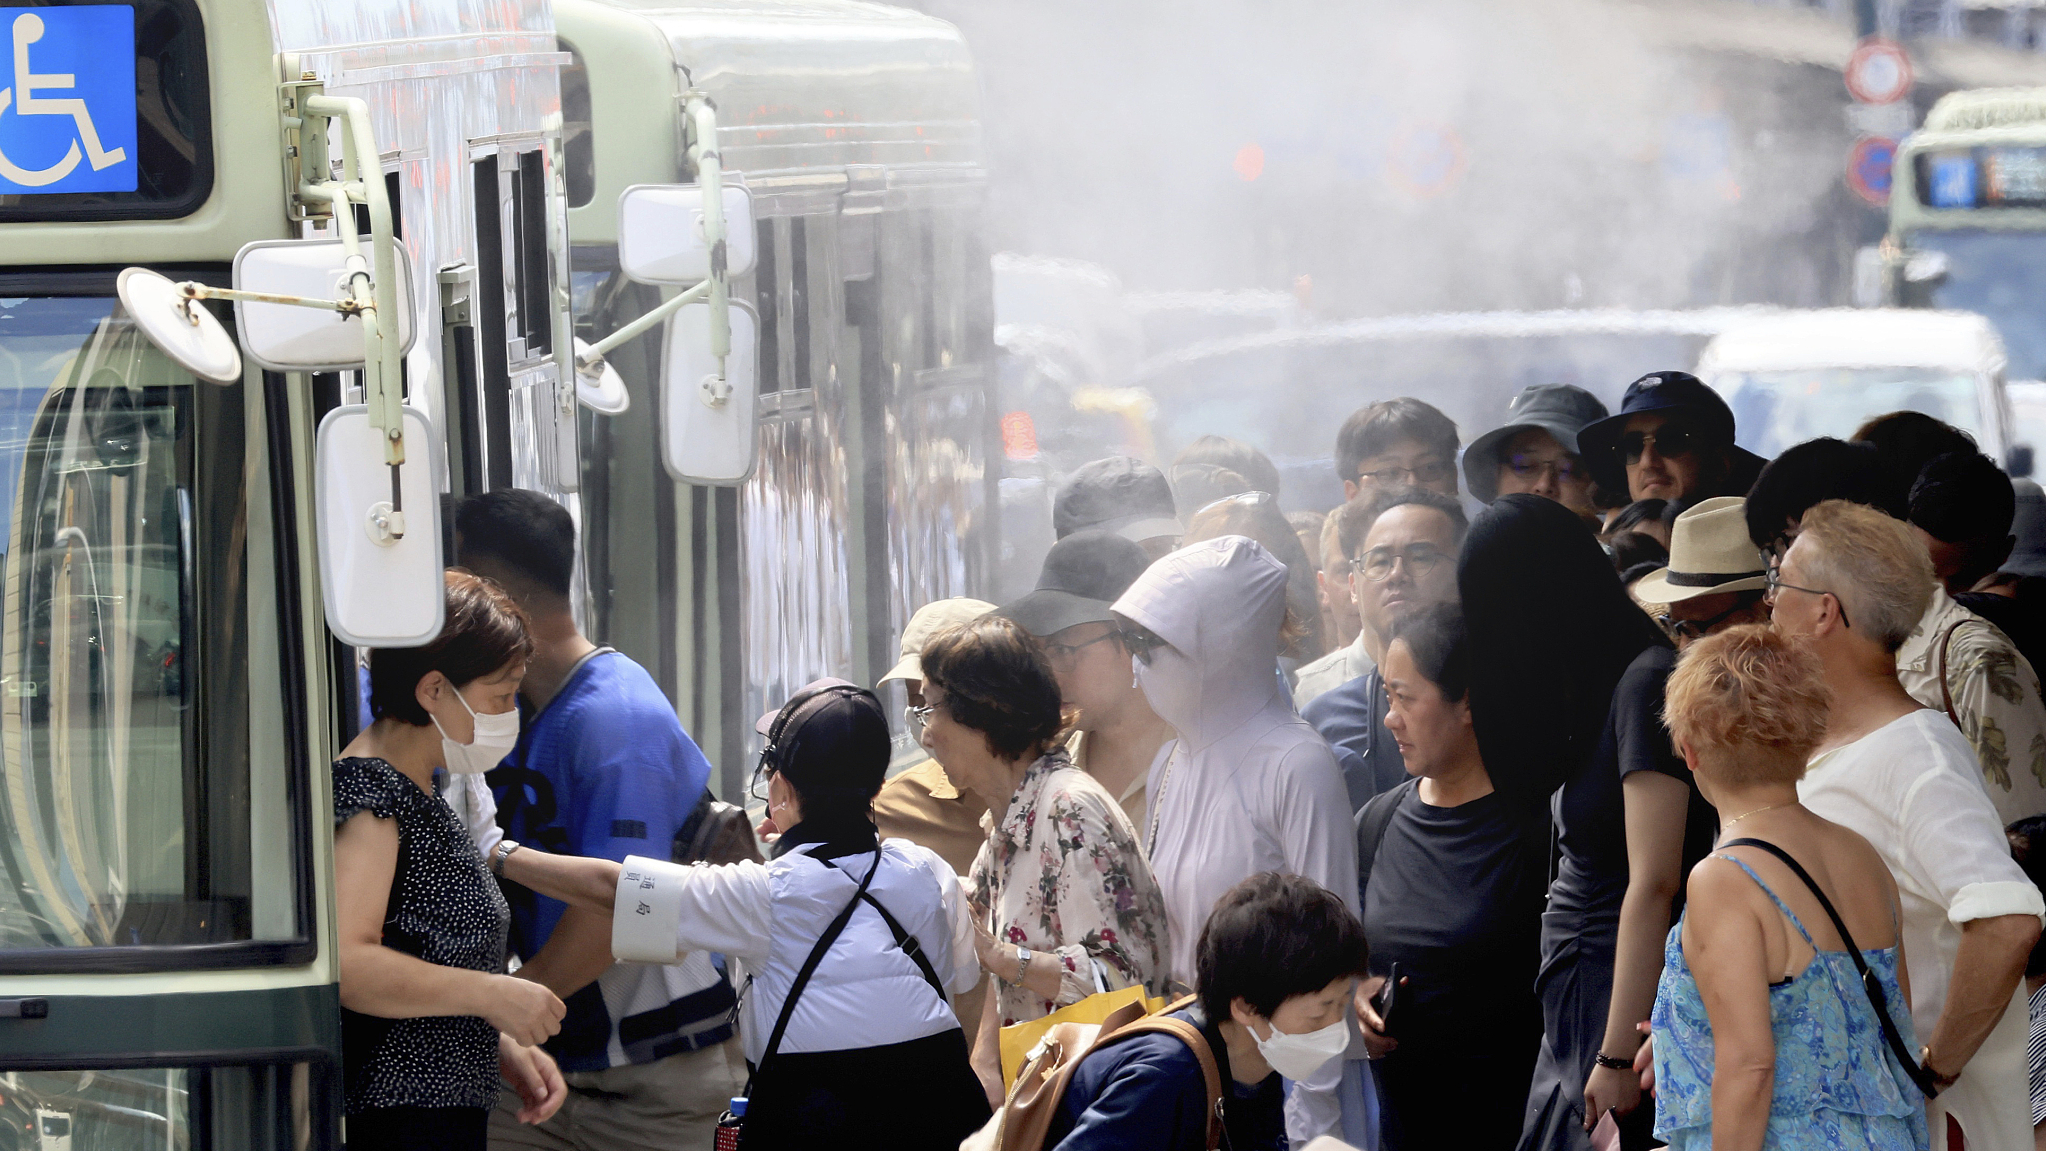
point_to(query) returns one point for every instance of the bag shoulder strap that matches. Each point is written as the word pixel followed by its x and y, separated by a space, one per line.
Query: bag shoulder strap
pixel 909 944
pixel 809 968
pixel 1946 694
pixel 1869 983
pixel 1027 1114
pixel 1372 821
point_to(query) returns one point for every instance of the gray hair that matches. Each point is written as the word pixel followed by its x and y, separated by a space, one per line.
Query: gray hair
pixel 1878 569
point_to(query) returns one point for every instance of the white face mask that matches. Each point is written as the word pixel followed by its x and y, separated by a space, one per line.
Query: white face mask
pixel 1298 1056
pixel 495 737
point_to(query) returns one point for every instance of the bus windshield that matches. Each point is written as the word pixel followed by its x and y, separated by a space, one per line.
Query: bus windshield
pixel 125 813
pixel 2001 275
pixel 1774 410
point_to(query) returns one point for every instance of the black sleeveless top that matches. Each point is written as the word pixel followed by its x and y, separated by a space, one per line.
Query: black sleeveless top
pixel 444 908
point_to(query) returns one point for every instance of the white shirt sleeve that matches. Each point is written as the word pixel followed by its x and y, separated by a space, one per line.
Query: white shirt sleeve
pixel 473 801
pixel 1957 845
pixel 725 908
pixel 964 972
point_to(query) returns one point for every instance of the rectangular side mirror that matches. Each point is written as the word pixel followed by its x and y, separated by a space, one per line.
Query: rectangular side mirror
pixel 289 338
pixel 704 441
pixel 660 233
pixel 2019 465
pixel 378 592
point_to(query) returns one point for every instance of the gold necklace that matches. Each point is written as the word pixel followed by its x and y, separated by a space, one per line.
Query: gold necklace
pixel 1757 811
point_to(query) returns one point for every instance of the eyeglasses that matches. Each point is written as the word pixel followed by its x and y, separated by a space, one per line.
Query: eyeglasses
pixel 761 772
pixel 1247 499
pixel 1567 470
pixel 1424 473
pixel 1376 565
pixel 1666 440
pixel 917 718
pixel 1693 628
pixel 1141 642
pixel 1777 585
pixel 1064 652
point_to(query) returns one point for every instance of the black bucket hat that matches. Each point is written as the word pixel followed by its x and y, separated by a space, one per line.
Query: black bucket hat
pixel 1562 410
pixel 1083 574
pixel 1675 393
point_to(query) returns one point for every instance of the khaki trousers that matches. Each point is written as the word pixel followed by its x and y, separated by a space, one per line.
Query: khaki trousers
pixel 671 1104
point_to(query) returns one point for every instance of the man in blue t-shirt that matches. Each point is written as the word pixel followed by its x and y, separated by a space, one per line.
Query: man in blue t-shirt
pixel 602 768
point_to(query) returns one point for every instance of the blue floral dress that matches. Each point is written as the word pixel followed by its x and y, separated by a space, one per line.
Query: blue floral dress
pixel 1837 1085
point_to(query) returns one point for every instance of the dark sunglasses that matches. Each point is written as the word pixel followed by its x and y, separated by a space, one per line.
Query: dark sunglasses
pixel 1141 642
pixel 1668 441
pixel 1693 628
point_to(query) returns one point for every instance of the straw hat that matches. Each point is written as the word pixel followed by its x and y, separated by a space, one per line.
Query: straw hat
pixel 1709 554
pixel 928 621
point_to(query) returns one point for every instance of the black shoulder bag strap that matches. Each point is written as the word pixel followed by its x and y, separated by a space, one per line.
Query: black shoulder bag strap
pixel 1869 983
pixel 1371 824
pixel 907 942
pixel 809 968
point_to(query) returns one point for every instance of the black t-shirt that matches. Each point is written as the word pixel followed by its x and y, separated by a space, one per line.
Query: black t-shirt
pixel 1591 818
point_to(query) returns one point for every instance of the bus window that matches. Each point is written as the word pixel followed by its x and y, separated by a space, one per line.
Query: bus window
pixel 491 429
pixel 578 156
pixel 531 269
pixel 125 807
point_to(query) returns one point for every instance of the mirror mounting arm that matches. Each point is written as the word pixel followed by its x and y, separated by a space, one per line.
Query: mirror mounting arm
pixel 709 164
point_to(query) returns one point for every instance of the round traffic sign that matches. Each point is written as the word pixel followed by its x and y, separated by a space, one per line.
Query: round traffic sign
pixel 1879 71
pixel 1868 168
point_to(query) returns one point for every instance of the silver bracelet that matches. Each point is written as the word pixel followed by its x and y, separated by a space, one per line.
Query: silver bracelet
pixel 1022 964
pixel 500 853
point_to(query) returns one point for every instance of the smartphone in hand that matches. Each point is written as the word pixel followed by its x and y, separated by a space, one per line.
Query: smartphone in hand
pixel 1388 999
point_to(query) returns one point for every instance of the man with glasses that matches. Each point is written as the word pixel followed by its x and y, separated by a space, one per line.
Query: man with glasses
pixel 1118 738
pixel 1672 439
pixel 1403 545
pixel 1851 587
pixel 1536 449
pixel 1716 576
pixel 1396 444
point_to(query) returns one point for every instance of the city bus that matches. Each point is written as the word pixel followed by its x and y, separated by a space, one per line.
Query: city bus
pixel 1967 227
pixel 177 648
pixel 873 488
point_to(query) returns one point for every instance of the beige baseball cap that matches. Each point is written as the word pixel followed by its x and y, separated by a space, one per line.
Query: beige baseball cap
pixel 1709 553
pixel 928 621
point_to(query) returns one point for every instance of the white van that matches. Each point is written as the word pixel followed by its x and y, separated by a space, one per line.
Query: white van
pixel 1793 376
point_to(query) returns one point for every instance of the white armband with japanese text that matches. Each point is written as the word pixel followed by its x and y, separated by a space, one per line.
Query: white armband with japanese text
pixel 647 916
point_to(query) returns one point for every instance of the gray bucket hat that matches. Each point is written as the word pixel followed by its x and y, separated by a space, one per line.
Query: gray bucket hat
pixel 1562 410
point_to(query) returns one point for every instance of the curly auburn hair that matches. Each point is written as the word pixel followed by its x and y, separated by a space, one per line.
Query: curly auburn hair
pixel 997 682
pixel 1753 694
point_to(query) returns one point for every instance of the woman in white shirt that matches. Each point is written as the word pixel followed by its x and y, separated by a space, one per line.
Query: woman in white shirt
pixel 854 945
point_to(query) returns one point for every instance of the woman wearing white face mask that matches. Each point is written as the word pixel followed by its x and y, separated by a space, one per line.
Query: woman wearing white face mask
pixel 428 1017
pixel 1276 964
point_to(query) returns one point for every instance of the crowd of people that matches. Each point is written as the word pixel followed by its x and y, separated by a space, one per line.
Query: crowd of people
pixel 1634 790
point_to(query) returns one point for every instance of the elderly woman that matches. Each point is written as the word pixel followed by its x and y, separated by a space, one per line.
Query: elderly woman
pixel 1764 1033
pixel 1068 904
pixel 428 1017
pixel 855 944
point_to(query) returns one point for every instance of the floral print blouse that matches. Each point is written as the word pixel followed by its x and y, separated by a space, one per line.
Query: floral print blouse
pixel 1062 873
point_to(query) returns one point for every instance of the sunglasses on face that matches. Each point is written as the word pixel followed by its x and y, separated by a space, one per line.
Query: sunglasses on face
pixel 1666 440
pixel 1431 472
pixel 1693 628
pixel 1376 565
pixel 1141 642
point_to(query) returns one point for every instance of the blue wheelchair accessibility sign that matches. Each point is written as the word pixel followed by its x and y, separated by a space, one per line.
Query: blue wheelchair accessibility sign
pixel 67 100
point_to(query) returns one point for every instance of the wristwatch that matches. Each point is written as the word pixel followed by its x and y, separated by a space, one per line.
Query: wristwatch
pixel 500 853
pixel 1943 1081
pixel 1022 964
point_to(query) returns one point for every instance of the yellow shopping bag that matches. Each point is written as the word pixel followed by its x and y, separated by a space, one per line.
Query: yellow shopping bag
pixel 1019 1038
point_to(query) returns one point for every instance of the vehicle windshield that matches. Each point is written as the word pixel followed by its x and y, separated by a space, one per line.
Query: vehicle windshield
pixel 2001 275
pixel 1774 410
pixel 125 805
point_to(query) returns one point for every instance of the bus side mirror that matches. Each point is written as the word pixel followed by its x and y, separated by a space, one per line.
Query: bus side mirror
pixel 2019 465
pixel 294 338
pixel 707 434
pixel 380 574
pixel 661 234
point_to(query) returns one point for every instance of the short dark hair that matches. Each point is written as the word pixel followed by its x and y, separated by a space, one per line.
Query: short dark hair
pixel 2028 846
pixel 997 682
pixel 529 535
pixel 1375 427
pixel 1963 496
pixel 1274 936
pixel 1907 441
pixel 1809 474
pixel 484 633
pixel 1215 466
pixel 1632 548
pixel 1631 517
pixel 1436 638
pixel 1357 516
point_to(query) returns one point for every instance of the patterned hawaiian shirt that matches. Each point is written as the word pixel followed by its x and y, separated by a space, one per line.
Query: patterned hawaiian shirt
pixel 1062 873
pixel 1995 697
